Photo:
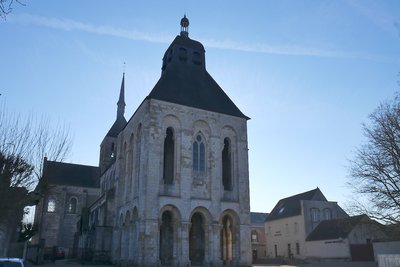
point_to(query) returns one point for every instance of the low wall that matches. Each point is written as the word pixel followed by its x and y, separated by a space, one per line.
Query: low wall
pixel 389 260
pixel 392 247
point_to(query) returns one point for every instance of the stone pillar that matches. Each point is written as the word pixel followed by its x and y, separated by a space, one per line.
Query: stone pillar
pixel 185 261
pixel 216 244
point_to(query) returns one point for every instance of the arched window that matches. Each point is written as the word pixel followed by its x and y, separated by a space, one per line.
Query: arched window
pixel 51 204
pixel 226 166
pixel 72 205
pixel 169 155
pixel 199 154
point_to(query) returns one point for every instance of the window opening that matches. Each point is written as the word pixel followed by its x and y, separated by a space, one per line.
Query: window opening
pixel 51 205
pixel 168 174
pixel 226 166
pixel 199 154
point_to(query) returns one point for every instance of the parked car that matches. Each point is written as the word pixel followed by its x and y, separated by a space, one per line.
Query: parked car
pixel 13 262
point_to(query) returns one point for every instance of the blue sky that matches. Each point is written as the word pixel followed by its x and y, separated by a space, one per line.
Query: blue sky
pixel 308 73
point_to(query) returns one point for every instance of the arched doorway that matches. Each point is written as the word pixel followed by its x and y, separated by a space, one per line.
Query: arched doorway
pixel 226 240
pixel 196 239
pixel 166 239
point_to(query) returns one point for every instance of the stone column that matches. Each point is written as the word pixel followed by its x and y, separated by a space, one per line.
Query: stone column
pixel 185 261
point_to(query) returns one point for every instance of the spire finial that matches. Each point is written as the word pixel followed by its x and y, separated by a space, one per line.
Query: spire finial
pixel 121 101
pixel 184 26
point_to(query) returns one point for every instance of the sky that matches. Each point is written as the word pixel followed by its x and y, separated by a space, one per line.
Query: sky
pixel 307 73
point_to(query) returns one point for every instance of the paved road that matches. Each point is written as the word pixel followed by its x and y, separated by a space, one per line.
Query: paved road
pixel 65 263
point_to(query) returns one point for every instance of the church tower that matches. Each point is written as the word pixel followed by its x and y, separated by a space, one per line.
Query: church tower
pixel 108 147
pixel 182 171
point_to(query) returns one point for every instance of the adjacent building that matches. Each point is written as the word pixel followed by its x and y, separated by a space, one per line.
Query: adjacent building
pixel 347 238
pixel 66 189
pixel 257 231
pixel 294 218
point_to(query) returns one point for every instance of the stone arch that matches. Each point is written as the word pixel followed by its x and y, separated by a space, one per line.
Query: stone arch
pixel 169 225
pixel 229 237
pixel 229 162
pixel 170 143
pixel 199 233
pixel 202 126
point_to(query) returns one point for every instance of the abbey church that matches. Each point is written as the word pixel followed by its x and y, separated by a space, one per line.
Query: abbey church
pixel 174 178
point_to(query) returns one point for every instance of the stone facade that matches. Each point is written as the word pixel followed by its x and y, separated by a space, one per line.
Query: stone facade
pixel 179 170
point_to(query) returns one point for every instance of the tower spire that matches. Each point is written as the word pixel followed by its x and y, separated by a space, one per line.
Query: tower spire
pixel 121 101
pixel 185 26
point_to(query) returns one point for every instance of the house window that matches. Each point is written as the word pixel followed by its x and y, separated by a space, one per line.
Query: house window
pixel 169 157
pixel 51 204
pixel 226 166
pixel 72 205
pixel 315 217
pixel 296 227
pixel 254 236
pixel 297 248
pixel 327 214
pixel 199 154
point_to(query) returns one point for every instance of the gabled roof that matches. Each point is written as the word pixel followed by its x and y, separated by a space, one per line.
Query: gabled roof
pixel 258 217
pixel 60 173
pixel 191 85
pixel 291 206
pixel 337 228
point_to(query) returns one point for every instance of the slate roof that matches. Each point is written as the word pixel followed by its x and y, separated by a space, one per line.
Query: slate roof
pixel 192 86
pixel 117 127
pixel 60 173
pixel 258 217
pixel 291 206
pixel 336 228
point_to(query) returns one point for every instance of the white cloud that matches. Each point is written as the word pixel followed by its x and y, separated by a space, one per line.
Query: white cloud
pixel 72 25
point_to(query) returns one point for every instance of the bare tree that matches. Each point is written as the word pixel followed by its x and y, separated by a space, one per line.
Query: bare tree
pixel 375 170
pixel 6 6
pixel 23 145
